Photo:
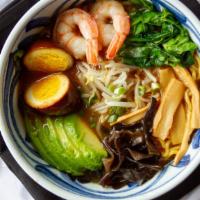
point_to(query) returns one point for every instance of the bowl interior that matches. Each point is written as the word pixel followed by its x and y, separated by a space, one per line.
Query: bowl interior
pixel 52 179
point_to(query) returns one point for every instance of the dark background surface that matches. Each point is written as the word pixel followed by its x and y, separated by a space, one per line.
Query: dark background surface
pixel 8 18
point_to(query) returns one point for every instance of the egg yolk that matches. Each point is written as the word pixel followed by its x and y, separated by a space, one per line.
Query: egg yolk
pixel 46 88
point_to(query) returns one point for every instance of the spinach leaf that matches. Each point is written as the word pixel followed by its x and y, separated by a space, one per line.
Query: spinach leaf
pixel 187 59
pixel 156 39
pixel 179 45
pixel 148 56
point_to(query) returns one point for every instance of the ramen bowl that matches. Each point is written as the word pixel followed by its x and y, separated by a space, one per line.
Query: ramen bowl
pixel 13 132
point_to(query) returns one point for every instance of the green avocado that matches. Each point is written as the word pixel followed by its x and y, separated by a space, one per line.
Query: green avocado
pixel 67 143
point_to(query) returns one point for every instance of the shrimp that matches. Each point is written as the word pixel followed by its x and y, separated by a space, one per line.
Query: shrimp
pixel 77 32
pixel 111 35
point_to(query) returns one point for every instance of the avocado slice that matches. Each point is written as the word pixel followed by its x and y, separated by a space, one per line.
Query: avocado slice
pixel 33 135
pixel 49 138
pixel 43 133
pixel 84 139
pixel 66 142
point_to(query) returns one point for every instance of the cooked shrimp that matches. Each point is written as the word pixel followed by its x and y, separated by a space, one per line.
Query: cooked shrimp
pixel 111 35
pixel 77 32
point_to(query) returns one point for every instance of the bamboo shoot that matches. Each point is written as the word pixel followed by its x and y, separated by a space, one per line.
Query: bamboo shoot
pixel 170 101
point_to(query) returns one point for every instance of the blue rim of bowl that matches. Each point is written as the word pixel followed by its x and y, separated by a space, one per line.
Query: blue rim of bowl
pixel 9 89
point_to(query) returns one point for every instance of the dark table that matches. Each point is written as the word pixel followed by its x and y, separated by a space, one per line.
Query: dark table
pixel 8 18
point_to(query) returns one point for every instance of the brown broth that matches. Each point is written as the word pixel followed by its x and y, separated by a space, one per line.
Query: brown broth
pixel 28 77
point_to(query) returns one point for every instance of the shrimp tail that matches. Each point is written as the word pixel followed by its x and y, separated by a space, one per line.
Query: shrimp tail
pixel 92 51
pixel 121 24
pixel 115 45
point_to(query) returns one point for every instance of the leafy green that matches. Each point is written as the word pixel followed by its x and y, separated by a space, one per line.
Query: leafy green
pixel 179 45
pixel 156 39
pixel 148 56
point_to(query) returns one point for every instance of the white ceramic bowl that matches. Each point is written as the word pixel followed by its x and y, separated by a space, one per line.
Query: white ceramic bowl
pixel 13 132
